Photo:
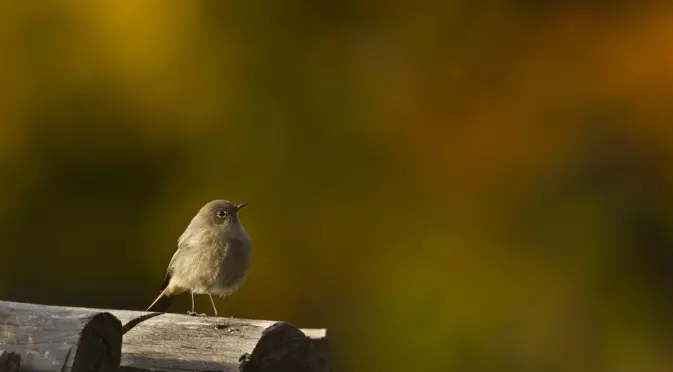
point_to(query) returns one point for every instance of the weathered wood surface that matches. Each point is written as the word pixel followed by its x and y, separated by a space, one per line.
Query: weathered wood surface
pixel 51 338
pixel 177 342
pixel 166 342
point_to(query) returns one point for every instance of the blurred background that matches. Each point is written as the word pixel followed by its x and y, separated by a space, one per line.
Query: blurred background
pixel 455 186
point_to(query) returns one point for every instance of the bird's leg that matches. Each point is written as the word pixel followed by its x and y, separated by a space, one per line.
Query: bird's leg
pixel 192 313
pixel 213 303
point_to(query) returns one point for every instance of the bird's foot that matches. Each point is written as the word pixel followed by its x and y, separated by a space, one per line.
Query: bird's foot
pixel 194 313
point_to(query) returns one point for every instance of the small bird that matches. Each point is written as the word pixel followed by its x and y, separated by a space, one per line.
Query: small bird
pixel 213 256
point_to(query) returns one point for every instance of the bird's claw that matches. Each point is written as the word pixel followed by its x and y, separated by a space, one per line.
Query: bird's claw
pixel 194 313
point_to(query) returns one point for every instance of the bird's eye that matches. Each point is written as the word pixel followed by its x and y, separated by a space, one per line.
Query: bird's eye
pixel 222 213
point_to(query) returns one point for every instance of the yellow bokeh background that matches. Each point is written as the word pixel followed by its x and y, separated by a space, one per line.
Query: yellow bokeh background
pixel 454 186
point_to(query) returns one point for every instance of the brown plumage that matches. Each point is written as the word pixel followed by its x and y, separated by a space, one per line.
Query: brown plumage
pixel 213 256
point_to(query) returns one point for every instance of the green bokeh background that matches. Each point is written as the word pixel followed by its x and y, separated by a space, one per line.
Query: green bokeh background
pixel 454 186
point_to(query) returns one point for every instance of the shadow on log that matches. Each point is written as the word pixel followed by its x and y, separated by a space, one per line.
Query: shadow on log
pixel 9 361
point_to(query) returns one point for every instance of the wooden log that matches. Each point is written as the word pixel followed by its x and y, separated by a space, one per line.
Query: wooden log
pixel 49 338
pixel 177 342
pixel 283 347
pixel 55 338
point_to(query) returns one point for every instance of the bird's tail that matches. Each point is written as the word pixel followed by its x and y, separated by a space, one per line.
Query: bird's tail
pixel 158 306
pixel 162 302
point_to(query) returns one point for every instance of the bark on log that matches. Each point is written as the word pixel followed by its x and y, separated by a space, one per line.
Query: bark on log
pixel 49 338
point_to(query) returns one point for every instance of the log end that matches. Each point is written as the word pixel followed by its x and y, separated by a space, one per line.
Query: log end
pixel 9 361
pixel 99 347
pixel 284 348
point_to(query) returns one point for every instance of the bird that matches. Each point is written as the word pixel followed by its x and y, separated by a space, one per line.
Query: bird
pixel 212 257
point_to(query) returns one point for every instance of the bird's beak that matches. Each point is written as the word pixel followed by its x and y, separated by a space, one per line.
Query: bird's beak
pixel 238 207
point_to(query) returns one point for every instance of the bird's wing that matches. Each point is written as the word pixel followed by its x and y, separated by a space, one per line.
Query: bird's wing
pixel 167 279
pixel 183 243
pixel 169 270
